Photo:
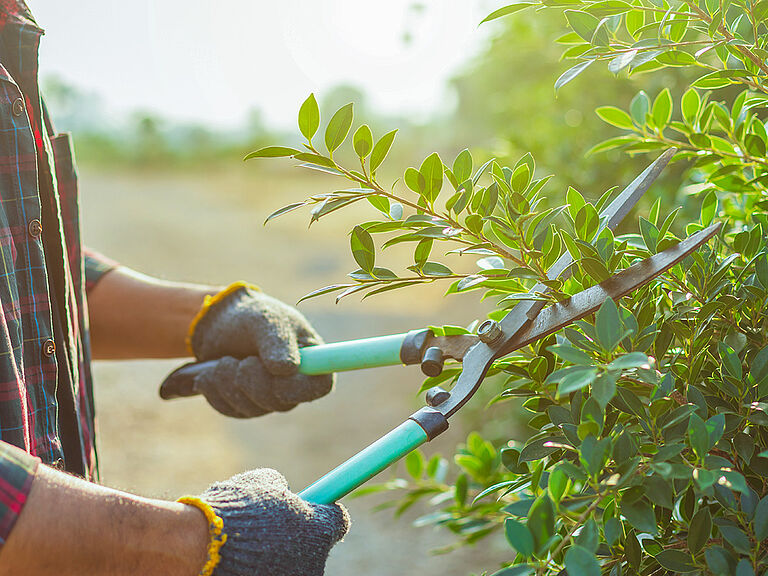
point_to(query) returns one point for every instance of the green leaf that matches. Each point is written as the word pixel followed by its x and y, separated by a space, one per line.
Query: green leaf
pixel 272 152
pixel 309 118
pixel 521 177
pixel 381 149
pixel 631 360
pixel 284 210
pixel 571 73
pixel 421 254
pixel 676 561
pixel 575 201
pixel 517 570
pixel 571 354
pixel 580 561
pixel 362 141
pixel 634 21
pixel 744 568
pixel 557 484
pixel 639 108
pixel 760 522
pixel 698 436
pixel 462 166
pixel 759 365
pixel 715 428
pixel 460 487
pixel 640 515
pixel 582 23
pixel 719 561
pixel 662 109
pixel 414 464
pixel 414 180
pixel 536 449
pixel 604 388
pixel 608 326
pixel 587 221
pixel 709 208
pixel 363 248
pixel 594 453
pixel 675 58
pixel 338 127
pixel 612 530
pixel 519 537
pixel 318 160
pixel 699 530
pixel 731 361
pixel 736 538
pixel 436 269
pixel 615 117
pixel 690 104
pixel 432 172
pixel 589 537
pixel 325 290
pixel 576 380
pixel 506 10
pixel 541 521
pixel 650 234
pixel 610 144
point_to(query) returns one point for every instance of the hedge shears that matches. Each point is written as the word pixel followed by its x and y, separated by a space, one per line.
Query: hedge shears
pixel 527 322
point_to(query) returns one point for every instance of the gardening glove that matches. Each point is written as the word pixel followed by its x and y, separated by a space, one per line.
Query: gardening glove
pixel 258 526
pixel 257 339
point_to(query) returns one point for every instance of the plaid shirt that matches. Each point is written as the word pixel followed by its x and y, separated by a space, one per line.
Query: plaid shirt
pixel 46 397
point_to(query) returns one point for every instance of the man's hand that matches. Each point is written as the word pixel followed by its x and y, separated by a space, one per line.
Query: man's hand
pixel 257 339
pixel 70 527
pixel 270 530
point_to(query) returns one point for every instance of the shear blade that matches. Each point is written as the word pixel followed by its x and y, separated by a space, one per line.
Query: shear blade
pixel 588 301
pixel 613 214
pixel 551 319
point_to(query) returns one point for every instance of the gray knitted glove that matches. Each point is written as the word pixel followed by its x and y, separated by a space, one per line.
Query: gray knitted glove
pixel 244 388
pixel 270 530
pixel 258 338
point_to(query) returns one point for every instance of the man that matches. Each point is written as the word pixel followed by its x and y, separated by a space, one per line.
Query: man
pixel 55 523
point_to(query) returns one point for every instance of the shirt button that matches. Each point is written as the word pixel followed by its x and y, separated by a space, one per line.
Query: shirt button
pixel 18 107
pixel 49 347
pixel 35 228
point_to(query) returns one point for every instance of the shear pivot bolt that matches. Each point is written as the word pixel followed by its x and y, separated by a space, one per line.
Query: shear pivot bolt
pixel 489 331
pixel 436 396
pixel 432 363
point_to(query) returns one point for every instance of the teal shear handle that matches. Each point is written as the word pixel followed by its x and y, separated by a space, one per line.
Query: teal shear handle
pixel 374 352
pixel 366 464
pixel 352 355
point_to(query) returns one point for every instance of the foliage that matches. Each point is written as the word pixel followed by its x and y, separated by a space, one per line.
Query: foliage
pixel 506 105
pixel 650 419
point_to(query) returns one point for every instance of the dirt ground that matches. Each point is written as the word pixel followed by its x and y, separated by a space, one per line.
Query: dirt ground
pixel 206 226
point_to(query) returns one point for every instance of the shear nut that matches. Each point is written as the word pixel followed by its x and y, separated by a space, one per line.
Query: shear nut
pixel 489 332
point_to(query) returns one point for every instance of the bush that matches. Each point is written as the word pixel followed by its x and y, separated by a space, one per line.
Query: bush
pixel 650 419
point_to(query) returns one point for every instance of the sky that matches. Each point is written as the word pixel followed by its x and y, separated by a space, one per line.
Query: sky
pixel 211 61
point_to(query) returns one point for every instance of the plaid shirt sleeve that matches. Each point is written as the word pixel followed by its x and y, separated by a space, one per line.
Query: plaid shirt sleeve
pixel 96 266
pixel 17 470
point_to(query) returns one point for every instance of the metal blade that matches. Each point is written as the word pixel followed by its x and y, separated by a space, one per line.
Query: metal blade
pixel 610 217
pixel 480 357
pixel 588 301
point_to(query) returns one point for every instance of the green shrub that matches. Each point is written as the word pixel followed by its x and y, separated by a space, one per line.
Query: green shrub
pixel 649 451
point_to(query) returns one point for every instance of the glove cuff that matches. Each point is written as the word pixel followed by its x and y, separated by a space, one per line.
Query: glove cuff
pixel 208 303
pixel 215 532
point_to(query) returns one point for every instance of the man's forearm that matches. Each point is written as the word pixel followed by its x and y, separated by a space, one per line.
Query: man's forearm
pixel 72 527
pixel 137 316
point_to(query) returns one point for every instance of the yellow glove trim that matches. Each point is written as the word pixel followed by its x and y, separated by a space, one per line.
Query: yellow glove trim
pixel 209 301
pixel 215 527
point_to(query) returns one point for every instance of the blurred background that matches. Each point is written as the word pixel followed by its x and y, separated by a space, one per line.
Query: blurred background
pixel 165 98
